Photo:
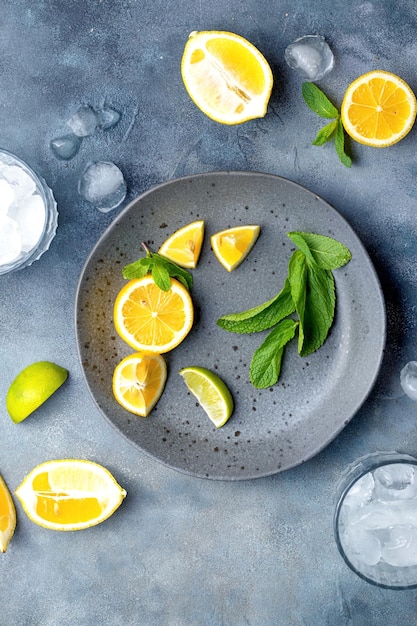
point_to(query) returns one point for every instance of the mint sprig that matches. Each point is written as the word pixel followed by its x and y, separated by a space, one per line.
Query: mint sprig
pixel 318 102
pixel 162 270
pixel 309 292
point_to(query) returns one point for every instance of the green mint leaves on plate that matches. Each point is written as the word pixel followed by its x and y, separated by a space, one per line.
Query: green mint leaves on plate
pixel 162 270
pixel 308 292
pixel 318 102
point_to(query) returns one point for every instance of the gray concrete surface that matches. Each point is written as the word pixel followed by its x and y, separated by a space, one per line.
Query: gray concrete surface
pixel 183 551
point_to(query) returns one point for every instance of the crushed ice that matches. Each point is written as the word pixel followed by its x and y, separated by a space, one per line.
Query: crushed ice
pixel 311 56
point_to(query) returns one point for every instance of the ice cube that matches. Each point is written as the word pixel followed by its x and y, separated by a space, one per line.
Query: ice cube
pixel 10 240
pixel 66 147
pixel 6 196
pixel 84 122
pixel 380 515
pixel 361 492
pixel 107 118
pixel 395 482
pixel 408 379
pixel 310 56
pixel 22 183
pixel 103 185
pixel 401 549
pixel 30 217
pixel 361 545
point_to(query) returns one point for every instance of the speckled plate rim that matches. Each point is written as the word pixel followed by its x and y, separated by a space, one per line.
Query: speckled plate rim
pixel 360 398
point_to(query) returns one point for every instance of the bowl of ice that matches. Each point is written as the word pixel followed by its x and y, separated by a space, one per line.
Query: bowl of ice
pixel 375 520
pixel 28 214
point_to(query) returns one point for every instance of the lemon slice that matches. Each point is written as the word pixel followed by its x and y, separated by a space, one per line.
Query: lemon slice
pixel 7 516
pixel 226 76
pixel 69 494
pixel 233 245
pixel 152 320
pixel 211 392
pixel 138 382
pixel 184 246
pixel 32 387
pixel 378 109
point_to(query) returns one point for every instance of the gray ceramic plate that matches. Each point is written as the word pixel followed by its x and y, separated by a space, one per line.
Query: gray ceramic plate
pixel 272 429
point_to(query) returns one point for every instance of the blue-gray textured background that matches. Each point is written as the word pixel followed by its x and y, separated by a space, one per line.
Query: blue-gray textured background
pixel 183 551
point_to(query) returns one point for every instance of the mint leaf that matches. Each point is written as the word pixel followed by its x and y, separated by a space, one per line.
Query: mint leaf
pixel 325 134
pixel 137 269
pixel 176 271
pixel 325 252
pixel 319 309
pixel 161 275
pixel 339 144
pixel 297 276
pixel 260 317
pixel 318 102
pixel 265 366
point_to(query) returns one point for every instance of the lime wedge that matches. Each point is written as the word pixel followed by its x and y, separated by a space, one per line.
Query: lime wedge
pixel 211 392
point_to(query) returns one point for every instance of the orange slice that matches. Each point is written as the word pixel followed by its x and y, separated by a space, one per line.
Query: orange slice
pixel 378 109
pixel 184 246
pixel 7 516
pixel 233 245
pixel 226 76
pixel 151 320
pixel 138 382
pixel 69 494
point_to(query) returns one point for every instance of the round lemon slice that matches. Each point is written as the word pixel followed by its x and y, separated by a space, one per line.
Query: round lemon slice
pixel 7 516
pixel 152 320
pixel 226 76
pixel 138 382
pixel 378 109
pixel 69 494
pixel 184 246
pixel 233 245
pixel 211 392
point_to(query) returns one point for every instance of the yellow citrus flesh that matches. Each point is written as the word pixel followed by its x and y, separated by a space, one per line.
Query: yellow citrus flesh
pixel 378 109
pixel 226 76
pixel 7 516
pixel 138 382
pixel 151 320
pixel 184 246
pixel 69 494
pixel 211 392
pixel 32 387
pixel 233 245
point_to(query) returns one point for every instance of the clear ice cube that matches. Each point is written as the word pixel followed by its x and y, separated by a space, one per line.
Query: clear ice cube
pixel 103 185
pixel 66 147
pixel 362 545
pixel 401 549
pixel 84 122
pixel 395 482
pixel 107 118
pixel 10 240
pixel 311 56
pixel 21 182
pixel 361 492
pixel 408 379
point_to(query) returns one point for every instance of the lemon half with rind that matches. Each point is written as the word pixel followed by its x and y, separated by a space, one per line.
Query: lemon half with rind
pixel 7 516
pixel 69 494
pixel 226 76
pixel 378 109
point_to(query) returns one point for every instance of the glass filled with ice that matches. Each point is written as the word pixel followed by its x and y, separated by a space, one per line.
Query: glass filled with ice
pixel 375 520
pixel 28 214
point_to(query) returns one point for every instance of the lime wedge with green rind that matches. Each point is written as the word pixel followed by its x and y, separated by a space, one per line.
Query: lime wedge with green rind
pixel 211 392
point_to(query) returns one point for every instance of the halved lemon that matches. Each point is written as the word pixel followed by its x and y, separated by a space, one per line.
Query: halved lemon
pixel 226 76
pixel 184 246
pixel 211 392
pixel 69 494
pixel 233 245
pixel 138 382
pixel 378 109
pixel 7 516
pixel 151 320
